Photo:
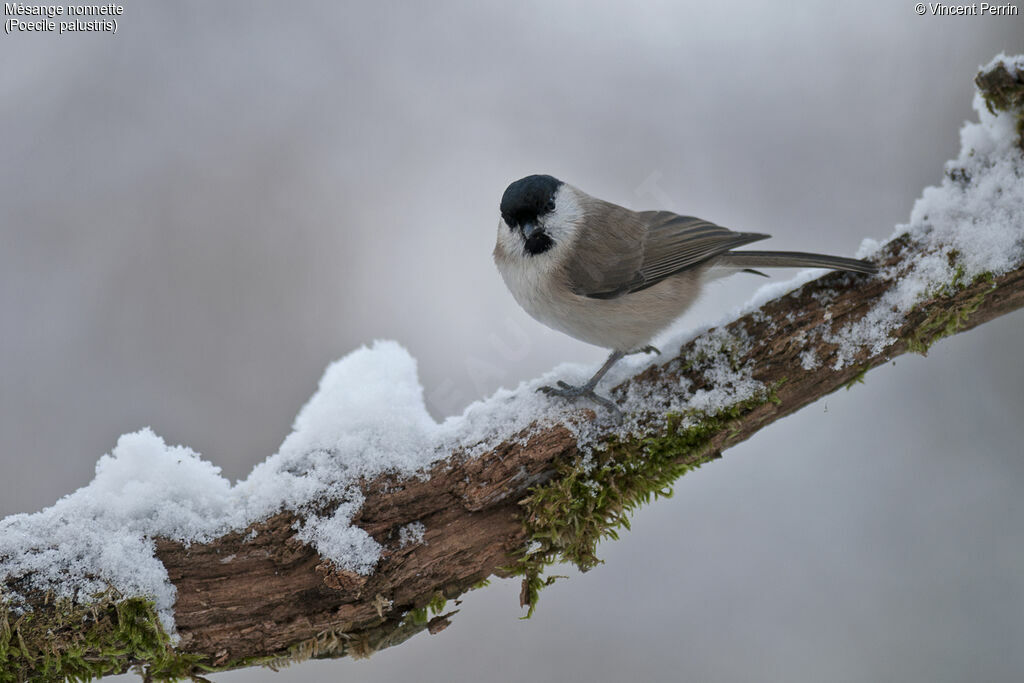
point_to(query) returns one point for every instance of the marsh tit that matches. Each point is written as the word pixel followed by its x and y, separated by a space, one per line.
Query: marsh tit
pixel 613 277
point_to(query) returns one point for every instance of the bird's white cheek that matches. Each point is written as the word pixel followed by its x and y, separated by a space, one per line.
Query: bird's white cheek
pixel 561 223
pixel 508 239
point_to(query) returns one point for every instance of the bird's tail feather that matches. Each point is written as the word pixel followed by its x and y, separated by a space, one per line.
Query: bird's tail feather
pixel 794 259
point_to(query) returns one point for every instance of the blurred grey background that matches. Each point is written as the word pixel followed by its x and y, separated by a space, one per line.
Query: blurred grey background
pixel 201 212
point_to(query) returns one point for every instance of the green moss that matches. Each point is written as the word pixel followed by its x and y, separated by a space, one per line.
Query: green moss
pixel 858 378
pixel 71 642
pixel 943 323
pixel 63 640
pixel 437 603
pixel 958 282
pixel 418 616
pixel 592 497
pixel 421 615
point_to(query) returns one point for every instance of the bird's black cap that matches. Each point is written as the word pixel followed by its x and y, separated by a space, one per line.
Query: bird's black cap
pixel 529 197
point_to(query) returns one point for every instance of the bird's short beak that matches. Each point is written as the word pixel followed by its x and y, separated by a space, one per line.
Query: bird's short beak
pixel 528 229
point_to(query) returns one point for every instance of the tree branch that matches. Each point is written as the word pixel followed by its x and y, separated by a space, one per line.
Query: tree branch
pixel 263 596
pixel 472 509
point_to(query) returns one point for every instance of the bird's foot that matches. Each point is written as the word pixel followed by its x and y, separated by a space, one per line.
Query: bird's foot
pixel 569 391
pixel 646 349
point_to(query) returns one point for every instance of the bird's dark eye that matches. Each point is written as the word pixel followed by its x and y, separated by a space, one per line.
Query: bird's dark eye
pixel 550 206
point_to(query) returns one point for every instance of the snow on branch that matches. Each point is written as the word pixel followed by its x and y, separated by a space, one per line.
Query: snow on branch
pixel 372 515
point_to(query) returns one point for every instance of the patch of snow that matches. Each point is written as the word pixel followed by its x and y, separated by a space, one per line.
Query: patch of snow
pixel 809 360
pixel 340 541
pixel 102 534
pixel 411 533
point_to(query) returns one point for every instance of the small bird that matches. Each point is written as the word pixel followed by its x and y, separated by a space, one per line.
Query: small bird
pixel 613 277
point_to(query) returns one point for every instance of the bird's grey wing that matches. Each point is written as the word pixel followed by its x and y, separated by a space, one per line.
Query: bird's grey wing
pixel 662 244
pixel 608 252
pixel 676 243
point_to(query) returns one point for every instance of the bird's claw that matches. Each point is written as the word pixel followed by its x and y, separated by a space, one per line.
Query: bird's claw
pixel 566 390
pixel 647 349
pixel 569 391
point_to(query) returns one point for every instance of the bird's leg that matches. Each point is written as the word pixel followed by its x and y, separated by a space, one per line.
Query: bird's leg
pixel 587 390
